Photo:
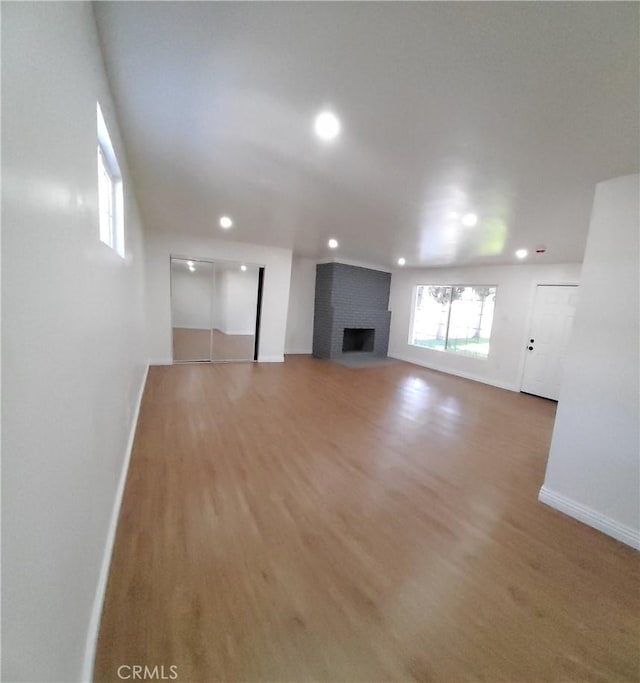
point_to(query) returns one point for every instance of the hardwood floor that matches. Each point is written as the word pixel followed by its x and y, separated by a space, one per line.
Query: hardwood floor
pixel 310 522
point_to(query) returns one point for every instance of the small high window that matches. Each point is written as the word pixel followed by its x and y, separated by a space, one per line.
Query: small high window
pixel 453 318
pixel 110 194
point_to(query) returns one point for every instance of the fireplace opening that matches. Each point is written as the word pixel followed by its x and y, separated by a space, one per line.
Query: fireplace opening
pixel 358 339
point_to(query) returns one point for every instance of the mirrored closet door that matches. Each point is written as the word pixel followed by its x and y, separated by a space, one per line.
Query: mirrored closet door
pixel 215 310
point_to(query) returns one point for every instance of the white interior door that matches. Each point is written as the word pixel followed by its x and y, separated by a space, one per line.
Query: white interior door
pixel 548 343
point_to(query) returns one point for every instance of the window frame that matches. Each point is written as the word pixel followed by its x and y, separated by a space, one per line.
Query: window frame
pixel 111 231
pixel 445 348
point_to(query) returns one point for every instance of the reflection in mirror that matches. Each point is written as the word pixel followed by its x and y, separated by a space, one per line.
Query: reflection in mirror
pixel 191 309
pixel 213 308
pixel 235 295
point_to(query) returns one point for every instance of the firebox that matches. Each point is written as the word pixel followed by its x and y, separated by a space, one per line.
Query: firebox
pixel 358 339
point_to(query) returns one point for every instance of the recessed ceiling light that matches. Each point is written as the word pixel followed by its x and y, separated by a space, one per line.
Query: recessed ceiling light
pixel 521 253
pixel 469 219
pixel 243 267
pixel 333 243
pixel 401 261
pixel 327 125
pixel 225 222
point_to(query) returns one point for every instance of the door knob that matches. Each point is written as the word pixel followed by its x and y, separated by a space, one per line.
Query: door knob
pixel 530 348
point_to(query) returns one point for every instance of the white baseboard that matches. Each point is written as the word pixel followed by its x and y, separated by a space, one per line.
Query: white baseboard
pixel 586 515
pixel 456 373
pixel 96 613
pixel 161 361
pixel 304 352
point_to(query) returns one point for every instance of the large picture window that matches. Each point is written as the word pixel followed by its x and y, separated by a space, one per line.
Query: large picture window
pixel 454 318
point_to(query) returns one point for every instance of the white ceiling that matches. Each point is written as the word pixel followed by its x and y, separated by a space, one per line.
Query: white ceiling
pixel 511 110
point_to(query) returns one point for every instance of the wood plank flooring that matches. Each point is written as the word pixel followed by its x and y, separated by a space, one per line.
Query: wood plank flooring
pixel 309 522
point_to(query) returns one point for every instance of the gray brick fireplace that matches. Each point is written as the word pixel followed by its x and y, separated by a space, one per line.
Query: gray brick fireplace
pixel 351 311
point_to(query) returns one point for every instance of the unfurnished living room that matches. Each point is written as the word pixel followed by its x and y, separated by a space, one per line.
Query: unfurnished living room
pixel 320 342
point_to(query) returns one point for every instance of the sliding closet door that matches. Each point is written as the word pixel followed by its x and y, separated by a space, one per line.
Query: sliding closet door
pixel 235 301
pixel 191 309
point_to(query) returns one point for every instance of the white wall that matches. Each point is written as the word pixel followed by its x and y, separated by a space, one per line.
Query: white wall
pixel 514 302
pixel 159 246
pixel 72 330
pixel 594 471
pixel 191 296
pixel 299 337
